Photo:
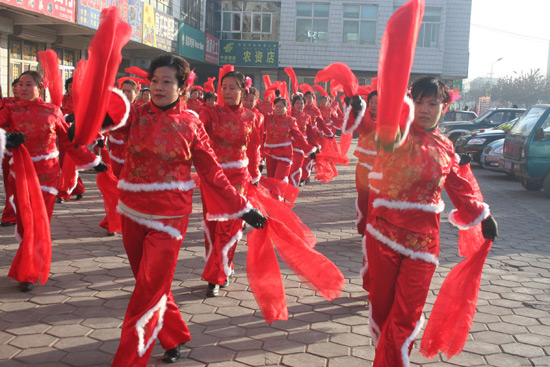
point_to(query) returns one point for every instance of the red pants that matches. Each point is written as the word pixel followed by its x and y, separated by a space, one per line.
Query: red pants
pixel 79 188
pixel 362 185
pixel 152 312
pixel 8 215
pixel 221 239
pixel 296 168
pixel 399 286
pixel 278 168
pixel 117 167
pixel 306 168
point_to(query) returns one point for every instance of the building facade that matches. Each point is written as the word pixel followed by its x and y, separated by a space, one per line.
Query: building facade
pixel 258 37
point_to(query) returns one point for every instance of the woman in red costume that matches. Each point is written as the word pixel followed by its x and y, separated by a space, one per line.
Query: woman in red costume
pixel 67 109
pixel 155 203
pixel 304 125
pixel 403 225
pixel 234 139
pixel 282 136
pixel 194 103
pixel 320 130
pixel 41 124
pixel 249 101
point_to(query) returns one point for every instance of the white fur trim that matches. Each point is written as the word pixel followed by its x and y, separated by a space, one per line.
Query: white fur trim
pixel 194 113
pixel 415 255
pixel 309 165
pixel 224 217
pixel 375 176
pixel 44 157
pixel 17 235
pixel 358 118
pixel 115 158
pixel 405 205
pixel 293 178
pixel 225 259
pixel 365 267
pixel 405 347
pixel 49 190
pixel 374 189
pixel 153 224
pixel 409 121
pixel 2 143
pixel 278 145
pixel 358 211
pixel 12 203
pixel 75 183
pixel 279 158
pixel 373 328
pixel 156 186
pixel 453 218
pixel 8 153
pixel 296 150
pixel 285 179
pixel 92 164
pixel 126 114
pixel 256 179
pixel 243 163
pixel 142 322
pixel 208 238
pixel 366 165
pixel 330 136
pixel 116 141
pixel 366 151
pixel 310 152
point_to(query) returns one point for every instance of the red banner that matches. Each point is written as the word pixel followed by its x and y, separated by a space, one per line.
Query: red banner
pixel 212 50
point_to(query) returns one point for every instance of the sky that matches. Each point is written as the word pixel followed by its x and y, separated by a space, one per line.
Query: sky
pixel 516 31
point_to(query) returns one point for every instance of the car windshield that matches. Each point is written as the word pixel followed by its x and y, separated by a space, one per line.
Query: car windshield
pixel 527 121
pixel 483 116
pixel 507 126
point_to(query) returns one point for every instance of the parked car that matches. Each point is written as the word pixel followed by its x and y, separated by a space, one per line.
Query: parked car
pixel 458 115
pixel 492 155
pixel 527 149
pixel 473 143
pixel 491 118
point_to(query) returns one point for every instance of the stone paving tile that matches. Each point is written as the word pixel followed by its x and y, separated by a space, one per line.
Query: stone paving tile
pixel 81 308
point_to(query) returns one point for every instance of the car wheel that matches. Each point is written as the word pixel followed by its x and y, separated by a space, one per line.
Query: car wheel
pixel 531 186
pixel 547 185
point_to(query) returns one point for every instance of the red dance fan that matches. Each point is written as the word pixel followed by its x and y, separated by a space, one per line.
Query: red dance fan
pixel 320 90
pixel 50 64
pixel 209 85
pixel 293 79
pixel 95 82
pixel 394 68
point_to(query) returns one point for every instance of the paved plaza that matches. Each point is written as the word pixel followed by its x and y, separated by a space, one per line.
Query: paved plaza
pixel 75 318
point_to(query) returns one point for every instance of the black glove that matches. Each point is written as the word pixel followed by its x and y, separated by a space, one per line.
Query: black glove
pixel 70 132
pixel 357 103
pixel 254 218
pixel 261 167
pixel 313 155
pixel 489 228
pixel 107 121
pixel 257 183
pixel 347 100
pixel 464 158
pixel 277 93
pixel 69 118
pixel 13 140
pixel 101 167
pixel 100 143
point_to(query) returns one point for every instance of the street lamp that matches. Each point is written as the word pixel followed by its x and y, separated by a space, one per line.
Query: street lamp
pixel 493 64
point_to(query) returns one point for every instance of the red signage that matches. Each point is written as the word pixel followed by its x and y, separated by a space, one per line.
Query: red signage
pixel 212 50
pixel 60 9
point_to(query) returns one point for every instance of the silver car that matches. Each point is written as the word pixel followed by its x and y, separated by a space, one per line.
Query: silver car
pixel 491 155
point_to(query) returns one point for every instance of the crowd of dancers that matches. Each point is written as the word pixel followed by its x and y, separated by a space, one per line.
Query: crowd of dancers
pixel 251 156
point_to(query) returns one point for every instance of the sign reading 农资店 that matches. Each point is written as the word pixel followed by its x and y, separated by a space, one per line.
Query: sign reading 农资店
pixel 60 9
pixel 191 42
pixel 249 53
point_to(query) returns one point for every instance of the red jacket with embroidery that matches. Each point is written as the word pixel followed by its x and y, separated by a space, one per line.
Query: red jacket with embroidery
pixel 332 120
pixel 317 121
pixel 67 104
pixel 282 135
pixel 366 143
pixel 305 126
pixel 195 105
pixel 407 185
pixel 156 176
pixel 42 124
pixel 265 107
pixel 259 132
pixel 234 140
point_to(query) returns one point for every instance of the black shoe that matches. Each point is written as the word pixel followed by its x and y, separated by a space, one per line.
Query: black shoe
pixel 7 224
pixel 110 234
pixel 59 200
pixel 26 286
pixel 79 196
pixel 213 290
pixel 171 355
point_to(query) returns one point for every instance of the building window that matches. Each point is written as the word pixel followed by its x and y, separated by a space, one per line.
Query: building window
pixel 312 22
pixel 360 24
pixel 251 20
pixel 212 18
pixel 191 13
pixel 429 30
pixel 164 6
